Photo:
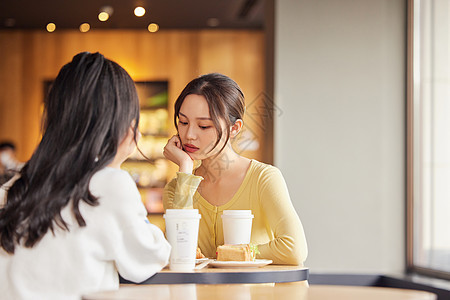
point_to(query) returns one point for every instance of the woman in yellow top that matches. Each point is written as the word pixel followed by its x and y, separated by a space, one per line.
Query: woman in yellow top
pixel 208 113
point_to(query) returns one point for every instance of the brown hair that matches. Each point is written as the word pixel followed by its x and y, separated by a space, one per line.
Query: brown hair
pixel 224 97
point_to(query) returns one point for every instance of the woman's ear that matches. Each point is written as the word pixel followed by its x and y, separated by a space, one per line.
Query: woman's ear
pixel 137 135
pixel 236 128
pixel 133 122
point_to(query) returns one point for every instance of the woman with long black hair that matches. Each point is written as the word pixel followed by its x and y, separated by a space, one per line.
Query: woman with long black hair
pixel 72 220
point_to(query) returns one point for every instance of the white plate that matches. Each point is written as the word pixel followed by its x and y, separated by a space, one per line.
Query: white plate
pixel 200 260
pixel 240 264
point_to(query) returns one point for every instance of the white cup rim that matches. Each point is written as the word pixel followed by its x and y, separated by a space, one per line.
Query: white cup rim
pixel 237 217
pixel 239 212
pixel 182 213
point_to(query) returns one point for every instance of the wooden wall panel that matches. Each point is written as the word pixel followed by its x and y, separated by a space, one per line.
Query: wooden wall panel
pixel 27 58
pixel 11 108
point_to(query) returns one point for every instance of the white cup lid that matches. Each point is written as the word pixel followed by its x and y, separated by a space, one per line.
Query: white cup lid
pixel 237 214
pixel 184 213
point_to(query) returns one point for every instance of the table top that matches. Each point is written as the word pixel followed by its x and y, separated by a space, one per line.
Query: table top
pixel 259 291
pixel 210 275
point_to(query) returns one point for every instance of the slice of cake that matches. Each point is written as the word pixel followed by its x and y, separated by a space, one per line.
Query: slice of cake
pixel 235 253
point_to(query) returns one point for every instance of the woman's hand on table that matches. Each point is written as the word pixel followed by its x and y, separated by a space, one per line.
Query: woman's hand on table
pixel 174 152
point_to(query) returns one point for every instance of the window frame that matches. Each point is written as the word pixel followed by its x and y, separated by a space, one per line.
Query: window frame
pixel 410 266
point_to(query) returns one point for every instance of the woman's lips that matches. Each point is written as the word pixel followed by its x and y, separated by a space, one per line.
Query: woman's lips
pixel 190 148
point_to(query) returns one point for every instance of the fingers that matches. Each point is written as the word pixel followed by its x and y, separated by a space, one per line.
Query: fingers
pixel 173 150
pixel 175 140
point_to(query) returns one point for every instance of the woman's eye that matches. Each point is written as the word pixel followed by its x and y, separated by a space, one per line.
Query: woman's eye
pixel 205 127
pixel 182 123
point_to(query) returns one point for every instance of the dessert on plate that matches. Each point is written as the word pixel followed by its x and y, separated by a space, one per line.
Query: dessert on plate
pixel 242 252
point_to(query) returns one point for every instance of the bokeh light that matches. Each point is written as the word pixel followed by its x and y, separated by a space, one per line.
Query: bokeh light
pixel 51 27
pixel 103 16
pixel 139 11
pixel 153 27
pixel 85 27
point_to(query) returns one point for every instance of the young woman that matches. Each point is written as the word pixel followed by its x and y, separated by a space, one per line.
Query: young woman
pixel 208 113
pixel 72 220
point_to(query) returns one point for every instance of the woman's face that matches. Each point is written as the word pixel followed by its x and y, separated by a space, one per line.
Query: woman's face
pixel 196 128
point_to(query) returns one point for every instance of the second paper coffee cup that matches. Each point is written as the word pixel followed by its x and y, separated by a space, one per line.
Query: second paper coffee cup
pixel 237 226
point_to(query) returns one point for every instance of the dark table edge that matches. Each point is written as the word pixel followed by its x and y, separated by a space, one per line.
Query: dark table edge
pixel 226 277
pixel 379 280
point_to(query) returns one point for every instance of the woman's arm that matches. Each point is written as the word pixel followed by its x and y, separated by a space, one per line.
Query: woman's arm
pixel 289 245
pixel 179 192
pixel 174 152
pixel 138 248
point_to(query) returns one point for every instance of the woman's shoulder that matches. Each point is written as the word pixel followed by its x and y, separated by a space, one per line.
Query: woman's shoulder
pixel 263 169
pixel 115 188
pixel 110 180
pixel 112 176
pixel 263 174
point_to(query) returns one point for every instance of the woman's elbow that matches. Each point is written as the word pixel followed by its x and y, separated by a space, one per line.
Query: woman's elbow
pixel 299 253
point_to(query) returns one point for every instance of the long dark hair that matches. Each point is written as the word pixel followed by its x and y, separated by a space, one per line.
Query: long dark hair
pixel 87 113
pixel 224 97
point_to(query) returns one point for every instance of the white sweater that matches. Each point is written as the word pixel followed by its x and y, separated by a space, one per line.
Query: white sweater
pixel 117 238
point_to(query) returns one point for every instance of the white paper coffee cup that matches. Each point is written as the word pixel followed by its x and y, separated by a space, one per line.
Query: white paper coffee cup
pixel 237 226
pixel 182 234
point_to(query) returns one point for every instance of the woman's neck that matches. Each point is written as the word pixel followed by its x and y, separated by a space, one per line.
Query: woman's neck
pixel 221 165
pixel 117 161
pixel 115 165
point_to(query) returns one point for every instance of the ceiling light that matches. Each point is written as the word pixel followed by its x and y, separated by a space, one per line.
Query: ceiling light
pixel 153 27
pixel 51 27
pixel 103 16
pixel 85 27
pixel 105 13
pixel 139 11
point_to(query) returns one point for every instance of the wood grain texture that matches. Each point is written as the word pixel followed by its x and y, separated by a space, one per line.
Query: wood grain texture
pixel 260 291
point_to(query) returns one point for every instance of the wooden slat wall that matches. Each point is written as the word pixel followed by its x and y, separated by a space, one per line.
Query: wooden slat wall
pixel 27 58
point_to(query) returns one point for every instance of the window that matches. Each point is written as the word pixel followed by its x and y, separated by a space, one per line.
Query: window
pixel 429 137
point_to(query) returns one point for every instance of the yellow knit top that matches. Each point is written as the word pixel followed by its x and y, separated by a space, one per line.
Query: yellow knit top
pixel 276 227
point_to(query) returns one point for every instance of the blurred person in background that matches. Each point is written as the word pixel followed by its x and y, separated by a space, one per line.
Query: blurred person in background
pixel 9 165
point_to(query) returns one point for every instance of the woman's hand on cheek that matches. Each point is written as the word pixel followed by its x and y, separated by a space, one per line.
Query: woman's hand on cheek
pixel 174 152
